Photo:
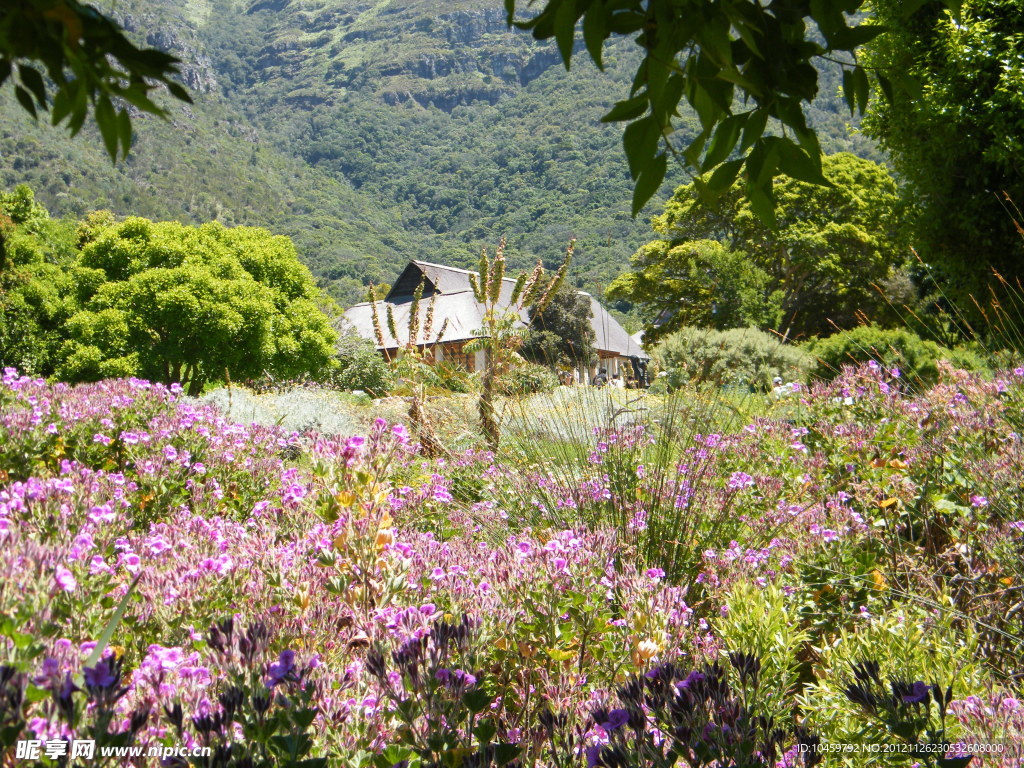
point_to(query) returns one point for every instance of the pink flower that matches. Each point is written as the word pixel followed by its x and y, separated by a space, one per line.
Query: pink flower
pixel 65 579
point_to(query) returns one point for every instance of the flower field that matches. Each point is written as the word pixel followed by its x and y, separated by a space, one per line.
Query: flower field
pixel 846 571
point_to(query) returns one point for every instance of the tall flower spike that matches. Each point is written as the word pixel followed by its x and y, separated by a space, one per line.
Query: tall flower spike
pixel 558 279
pixel 391 323
pixel 498 273
pixel 479 281
pixel 376 317
pixel 428 324
pixel 533 284
pixel 441 331
pixel 414 315
pixel 517 290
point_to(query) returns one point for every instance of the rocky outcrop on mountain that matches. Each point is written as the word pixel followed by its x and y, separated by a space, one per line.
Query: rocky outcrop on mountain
pixel 473 57
pixel 196 67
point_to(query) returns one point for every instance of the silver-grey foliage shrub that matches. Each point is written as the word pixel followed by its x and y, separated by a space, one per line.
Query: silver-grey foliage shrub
pixel 745 357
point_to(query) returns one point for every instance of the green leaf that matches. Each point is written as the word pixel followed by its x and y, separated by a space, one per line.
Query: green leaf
pixel 795 162
pixel 106 121
pixel 862 88
pixel 849 94
pixel 630 109
pixel 649 182
pixel 61 106
pixel 25 99
pixel 757 121
pixel 724 176
pixel 108 632
pixel 505 753
pixel 178 92
pixel 32 80
pixel 762 202
pixel 124 131
pixel 724 141
pixel 485 731
pixel 640 140
pixel 595 31
pixel 565 29
pixel 477 700
pixel 885 84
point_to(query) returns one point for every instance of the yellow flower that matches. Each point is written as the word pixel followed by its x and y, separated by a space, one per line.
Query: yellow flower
pixel 385 536
pixel 644 651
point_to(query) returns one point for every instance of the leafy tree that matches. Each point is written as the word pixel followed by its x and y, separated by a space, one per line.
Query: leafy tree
pixel 561 334
pixel 33 288
pixel 738 64
pixel 695 282
pixel 813 272
pixel 180 304
pixel 959 139
pixel 83 58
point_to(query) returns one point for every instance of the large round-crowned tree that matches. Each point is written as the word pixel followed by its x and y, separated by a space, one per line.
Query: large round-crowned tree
pixel 174 303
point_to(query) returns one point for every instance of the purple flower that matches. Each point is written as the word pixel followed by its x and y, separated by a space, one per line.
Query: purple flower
pixel 979 501
pixel 100 676
pixel 281 668
pixel 740 480
pixel 654 573
pixel 692 680
pixel 616 719
pixel 917 693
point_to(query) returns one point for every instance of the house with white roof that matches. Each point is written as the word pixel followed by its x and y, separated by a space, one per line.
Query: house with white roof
pixel 457 316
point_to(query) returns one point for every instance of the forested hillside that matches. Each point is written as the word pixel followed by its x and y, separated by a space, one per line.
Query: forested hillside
pixel 370 133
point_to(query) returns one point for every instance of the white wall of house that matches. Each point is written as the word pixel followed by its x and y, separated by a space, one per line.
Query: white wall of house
pixel 480 360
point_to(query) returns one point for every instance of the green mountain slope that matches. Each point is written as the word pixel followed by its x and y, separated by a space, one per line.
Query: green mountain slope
pixel 371 132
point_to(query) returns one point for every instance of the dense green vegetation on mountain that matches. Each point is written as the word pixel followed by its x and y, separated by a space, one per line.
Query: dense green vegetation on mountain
pixel 371 133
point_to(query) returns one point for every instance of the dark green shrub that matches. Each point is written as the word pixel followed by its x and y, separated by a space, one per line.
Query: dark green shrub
pixel 527 379
pixel 740 356
pixel 361 366
pixel 901 348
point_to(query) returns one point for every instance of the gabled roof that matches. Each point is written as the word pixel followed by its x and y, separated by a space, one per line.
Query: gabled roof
pixel 438 279
pixel 609 334
pixel 458 313
pixel 456 317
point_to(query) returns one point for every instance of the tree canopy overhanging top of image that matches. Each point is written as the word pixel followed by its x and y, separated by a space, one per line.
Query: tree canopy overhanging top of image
pixel 81 57
pixel 738 64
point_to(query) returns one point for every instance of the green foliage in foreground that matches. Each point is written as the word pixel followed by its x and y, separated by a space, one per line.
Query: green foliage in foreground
pixel 86 61
pixel 722 266
pixel 742 356
pixel 719 56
